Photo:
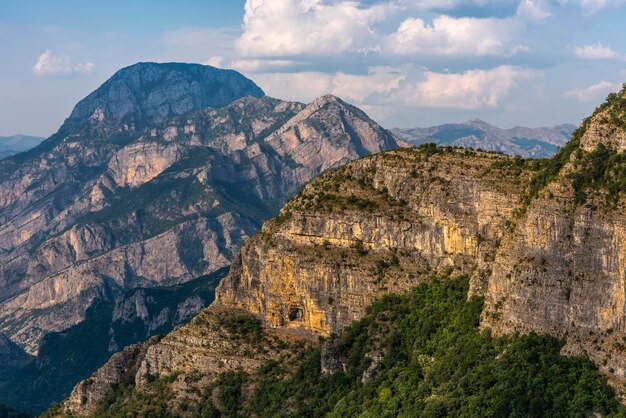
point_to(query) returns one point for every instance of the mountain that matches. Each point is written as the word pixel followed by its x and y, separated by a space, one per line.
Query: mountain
pixel 431 281
pixel 10 145
pixel 154 181
pixel 477 134
pixel 10 352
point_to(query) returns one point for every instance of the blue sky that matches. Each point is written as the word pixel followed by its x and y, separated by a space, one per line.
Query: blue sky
pixel 405 62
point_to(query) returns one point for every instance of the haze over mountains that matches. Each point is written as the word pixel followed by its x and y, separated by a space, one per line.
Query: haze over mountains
pixel 11 145
pixel 477 134
pixel 154 181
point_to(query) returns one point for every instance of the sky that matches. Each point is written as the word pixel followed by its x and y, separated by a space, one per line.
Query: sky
pixel 405 62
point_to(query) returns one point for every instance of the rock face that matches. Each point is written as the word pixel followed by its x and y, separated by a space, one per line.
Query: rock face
pixel 127 194
pixel 545 257
pixel 414 213
pixel 348 238
pixel 526 142
pixel 149 93
pixel 561 270
pixel 154 180
pixel 87 393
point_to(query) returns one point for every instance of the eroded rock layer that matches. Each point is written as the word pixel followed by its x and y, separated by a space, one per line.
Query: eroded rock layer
pixel 155 180
pixel 378 225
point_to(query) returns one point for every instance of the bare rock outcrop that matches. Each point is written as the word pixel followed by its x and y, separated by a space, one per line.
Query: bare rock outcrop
pixel 543 243
pixel 380 224
pixel 165 198
pixel 85 396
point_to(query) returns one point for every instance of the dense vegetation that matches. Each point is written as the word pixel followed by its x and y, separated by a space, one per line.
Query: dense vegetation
pixel 436 363
pixel 421 354
pixel 602 168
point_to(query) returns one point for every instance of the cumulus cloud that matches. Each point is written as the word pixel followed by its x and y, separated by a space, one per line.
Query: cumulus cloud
pixel 457 36
pixel 593 93
pixel 533 9
pixel 366 50
pixel 308 85
pixel 472 89
pixel 595 51
pixel 309 27
pixel 49 64
pixel 406 87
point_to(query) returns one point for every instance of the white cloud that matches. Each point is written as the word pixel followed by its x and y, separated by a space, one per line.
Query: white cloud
pixel 214 61
pixel 279 28
pixel 259 65
pixel 402 87
pixel 49 64
pixel 595 51
pixel 533 9
pixel 308 85
pixel 457 36
pixel 594 6
pixel 290 31
pixel 594 93
pixel 472 89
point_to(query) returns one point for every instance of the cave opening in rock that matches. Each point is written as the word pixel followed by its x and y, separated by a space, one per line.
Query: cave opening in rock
pixel 295 313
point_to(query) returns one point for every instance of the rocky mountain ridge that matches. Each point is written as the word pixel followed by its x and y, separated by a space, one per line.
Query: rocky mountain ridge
pixel 478 134
pixel 154 180
pixel 546 257
pixel 347 239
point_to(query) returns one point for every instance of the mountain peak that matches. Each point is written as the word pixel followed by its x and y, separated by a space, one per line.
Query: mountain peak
pixel 149 92
pixel 479 122
pixel 607 125
pixel 328 98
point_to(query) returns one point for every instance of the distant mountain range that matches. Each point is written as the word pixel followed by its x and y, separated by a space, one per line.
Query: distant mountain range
pixel 10 145
pixel 478 134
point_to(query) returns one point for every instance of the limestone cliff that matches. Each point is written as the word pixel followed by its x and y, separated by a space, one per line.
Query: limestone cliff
pixel 129 194
pixel 378 225
pixel 543 242
pixel 561 269
pixel 155 179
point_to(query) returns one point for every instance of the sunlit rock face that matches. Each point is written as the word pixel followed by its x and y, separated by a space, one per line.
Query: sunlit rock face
pixel 545 257
pixel 155 179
